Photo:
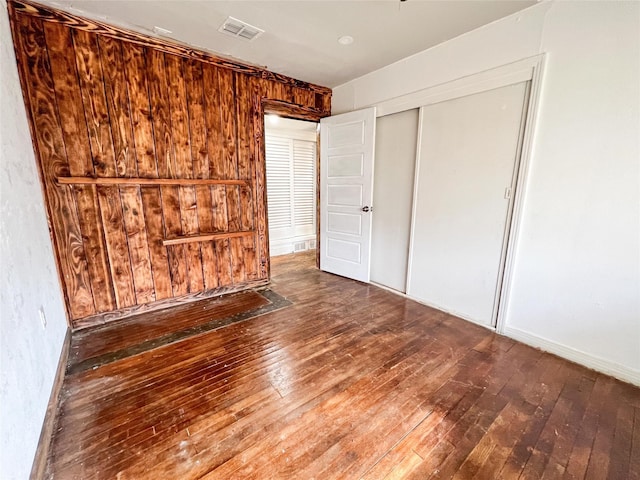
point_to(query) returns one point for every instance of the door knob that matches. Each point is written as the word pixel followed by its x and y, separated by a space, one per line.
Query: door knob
pixel 367 209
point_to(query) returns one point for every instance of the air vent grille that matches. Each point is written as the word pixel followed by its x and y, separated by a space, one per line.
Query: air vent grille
pixel 238 28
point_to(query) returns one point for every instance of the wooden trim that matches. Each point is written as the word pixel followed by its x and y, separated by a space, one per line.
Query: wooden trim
pixel 48 426
pixel 260 190
pixel 104 318
pixel 49 14
pixel 152 182
pixel 206 237
pixel 291 110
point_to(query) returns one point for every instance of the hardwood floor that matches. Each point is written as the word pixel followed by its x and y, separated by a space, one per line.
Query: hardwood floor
pixel 348 382
pixel 97 346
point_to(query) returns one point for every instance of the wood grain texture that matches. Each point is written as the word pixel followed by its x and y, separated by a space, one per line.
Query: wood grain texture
pixel 147 182
pixel 76 139
pixel 173 228
pixel 284 108
pixel 38 85
pixel 261 91
pixel 245 248
pixel 117 245
pixel 124 313
pixel 147 153
pixel 93 232
pixel 201 166
pixel 184 169
pixel 134 69
pixel 143 327
pixel 135 228
pixel 135 73
pixel 92 85
pixel 155 234
pixel 207 237
pixel 118 104
pixel 348 382
pixel 73 21
pixel 168 222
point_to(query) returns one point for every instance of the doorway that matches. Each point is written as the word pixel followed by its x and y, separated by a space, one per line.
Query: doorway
pixel 291 179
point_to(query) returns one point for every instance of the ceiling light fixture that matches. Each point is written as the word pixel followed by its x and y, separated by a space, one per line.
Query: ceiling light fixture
pixel 345 40
pixel 163 32
pixel 273 119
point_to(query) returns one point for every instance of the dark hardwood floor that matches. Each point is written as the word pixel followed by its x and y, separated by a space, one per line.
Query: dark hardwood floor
pixel 348 382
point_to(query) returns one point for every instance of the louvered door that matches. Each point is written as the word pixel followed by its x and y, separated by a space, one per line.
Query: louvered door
pixel 304 187
pixel 291 195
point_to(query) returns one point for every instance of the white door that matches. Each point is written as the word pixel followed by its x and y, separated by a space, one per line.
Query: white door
pixel 346 189
pixel 468 155
pixel 393 179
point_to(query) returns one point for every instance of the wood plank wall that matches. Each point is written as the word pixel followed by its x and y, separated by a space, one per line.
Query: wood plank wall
pixel 151 159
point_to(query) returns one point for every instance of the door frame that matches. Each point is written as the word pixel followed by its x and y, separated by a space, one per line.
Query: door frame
pixel 265 106
pixel 530 69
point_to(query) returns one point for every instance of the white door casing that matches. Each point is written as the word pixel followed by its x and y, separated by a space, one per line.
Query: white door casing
pixel 346 192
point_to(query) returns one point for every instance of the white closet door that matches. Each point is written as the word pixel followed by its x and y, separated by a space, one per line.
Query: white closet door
pixel 467 159
pixel 396 138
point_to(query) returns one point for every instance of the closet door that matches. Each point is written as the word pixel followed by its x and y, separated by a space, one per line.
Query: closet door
pixel 396 137
pixel 468 155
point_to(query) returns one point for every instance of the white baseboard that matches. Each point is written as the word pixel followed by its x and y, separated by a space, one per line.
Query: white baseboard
pixel 616 370
pixel 453 313
pixel 39 466
pixel 292 245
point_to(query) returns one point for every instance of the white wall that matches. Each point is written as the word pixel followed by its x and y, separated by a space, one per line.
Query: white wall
pixel 29 352
pixel 576 280
pixel 577 277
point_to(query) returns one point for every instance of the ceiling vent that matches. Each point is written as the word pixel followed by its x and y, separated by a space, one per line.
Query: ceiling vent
pixel 238 28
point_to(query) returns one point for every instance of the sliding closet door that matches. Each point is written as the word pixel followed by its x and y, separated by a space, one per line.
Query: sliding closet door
pixel 396 137
pixel 467 162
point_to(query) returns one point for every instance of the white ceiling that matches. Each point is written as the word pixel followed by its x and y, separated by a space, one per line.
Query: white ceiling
pixel 301 36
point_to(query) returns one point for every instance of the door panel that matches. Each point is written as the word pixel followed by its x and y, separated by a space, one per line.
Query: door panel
pixel 467 160
pixel 396 140
pixel 346 185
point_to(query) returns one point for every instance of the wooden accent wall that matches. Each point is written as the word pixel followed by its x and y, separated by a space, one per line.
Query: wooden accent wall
pixel 151 159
